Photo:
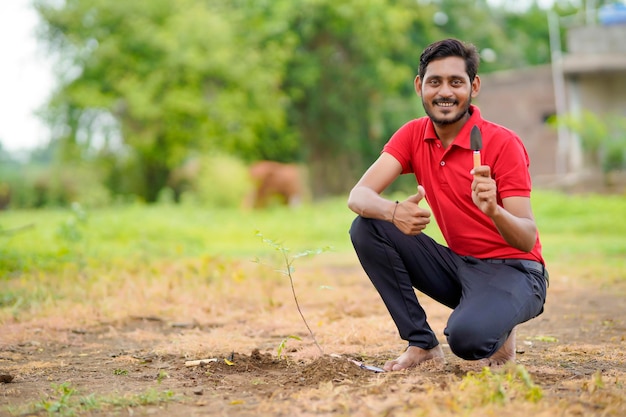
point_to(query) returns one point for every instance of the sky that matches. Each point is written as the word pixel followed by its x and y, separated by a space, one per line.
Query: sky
pixel 25 77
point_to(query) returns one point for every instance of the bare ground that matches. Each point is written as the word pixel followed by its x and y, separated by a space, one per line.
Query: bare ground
pixel 574 354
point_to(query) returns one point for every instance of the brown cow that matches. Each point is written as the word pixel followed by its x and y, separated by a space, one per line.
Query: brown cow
pixel 276 180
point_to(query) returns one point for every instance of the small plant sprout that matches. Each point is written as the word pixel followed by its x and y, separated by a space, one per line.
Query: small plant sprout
pixel 162 375
pixel 289 272
pixel 60 403
pixel 283 343
pixel 596 383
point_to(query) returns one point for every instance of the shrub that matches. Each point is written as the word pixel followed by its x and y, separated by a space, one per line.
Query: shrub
pixel 216 181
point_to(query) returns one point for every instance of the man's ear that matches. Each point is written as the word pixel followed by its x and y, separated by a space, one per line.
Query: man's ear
pixel 418 85
pixel 475 86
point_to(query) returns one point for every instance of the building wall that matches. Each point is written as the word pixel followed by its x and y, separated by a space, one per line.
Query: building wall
pixel 597 39
pixel 603 94
pixel 594 74
pixel 594 69
pixel 595 65
pixel 523 100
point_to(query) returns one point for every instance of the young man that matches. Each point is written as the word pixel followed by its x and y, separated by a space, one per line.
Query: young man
pixel 491 273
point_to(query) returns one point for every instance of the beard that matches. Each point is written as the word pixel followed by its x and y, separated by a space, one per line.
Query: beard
pixel 442 121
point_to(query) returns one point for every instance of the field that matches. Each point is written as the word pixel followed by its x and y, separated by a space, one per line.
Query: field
pixel 103 311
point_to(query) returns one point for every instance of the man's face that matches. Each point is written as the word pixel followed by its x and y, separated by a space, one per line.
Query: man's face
pixel 446 90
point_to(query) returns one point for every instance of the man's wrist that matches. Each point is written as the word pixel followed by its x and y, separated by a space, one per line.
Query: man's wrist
pixel 393 214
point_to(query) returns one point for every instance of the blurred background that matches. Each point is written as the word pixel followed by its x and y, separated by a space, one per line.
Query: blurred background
pixel 176 101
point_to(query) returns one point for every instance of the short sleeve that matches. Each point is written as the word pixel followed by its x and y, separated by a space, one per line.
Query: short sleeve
pixel 401 146
pixel 510 169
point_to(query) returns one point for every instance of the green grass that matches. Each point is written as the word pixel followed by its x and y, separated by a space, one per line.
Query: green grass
pixel 583 234
pixel 148 233
pixel 65 401
pixel 513 382
pixel 583 231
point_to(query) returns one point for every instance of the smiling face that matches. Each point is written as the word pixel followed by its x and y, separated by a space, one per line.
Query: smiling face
pixel 447 91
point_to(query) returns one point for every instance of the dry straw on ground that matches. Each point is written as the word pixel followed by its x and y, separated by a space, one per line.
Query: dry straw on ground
pixel 133 331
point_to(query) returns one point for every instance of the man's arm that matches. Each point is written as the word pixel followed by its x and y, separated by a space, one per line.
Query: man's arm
pixel 366 201
pixel 514 219
pixel 365 198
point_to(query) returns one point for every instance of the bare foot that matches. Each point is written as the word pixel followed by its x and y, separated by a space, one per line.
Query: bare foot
pixel 505 354
pixel 413 356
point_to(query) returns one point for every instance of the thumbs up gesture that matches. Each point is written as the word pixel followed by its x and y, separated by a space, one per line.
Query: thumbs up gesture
pixel 409 217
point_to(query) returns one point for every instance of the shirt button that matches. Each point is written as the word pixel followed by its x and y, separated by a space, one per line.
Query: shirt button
pixel 442 163
pixel 439 145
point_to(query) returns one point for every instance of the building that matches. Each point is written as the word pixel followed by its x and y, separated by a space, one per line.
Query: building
pixel 523 100
pixel 588 74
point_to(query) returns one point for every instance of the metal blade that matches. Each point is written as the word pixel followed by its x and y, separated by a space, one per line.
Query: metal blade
pixel 476 139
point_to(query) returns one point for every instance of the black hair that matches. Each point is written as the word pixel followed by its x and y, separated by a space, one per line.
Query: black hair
pixel 451 47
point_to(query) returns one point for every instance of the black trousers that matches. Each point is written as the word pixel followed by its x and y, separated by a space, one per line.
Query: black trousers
pixel 488 299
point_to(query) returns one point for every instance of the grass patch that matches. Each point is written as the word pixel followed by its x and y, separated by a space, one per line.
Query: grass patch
pixel 502 387
pixel 583 235
pixel 57 258
pixel 65 401
pixel 147 233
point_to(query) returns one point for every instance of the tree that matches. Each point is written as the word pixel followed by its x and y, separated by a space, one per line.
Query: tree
pixel 163 76
pixel 145 84
pixel 337 79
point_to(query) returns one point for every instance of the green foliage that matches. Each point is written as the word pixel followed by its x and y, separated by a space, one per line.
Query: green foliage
pixel 59 404
pixel 165 76
pixel 144 85
pixel 220 181
pixel 283 343
pixel 338 78
pixel 120 372
pixel 501 387
pixel 603 137
pixel 65 403
pixel 36 185
pixel 8 168
pixel 162 375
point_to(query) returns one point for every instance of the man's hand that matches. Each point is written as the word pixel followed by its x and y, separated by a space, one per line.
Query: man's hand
pixel 484 190
pixel 409 217
pixel 514 219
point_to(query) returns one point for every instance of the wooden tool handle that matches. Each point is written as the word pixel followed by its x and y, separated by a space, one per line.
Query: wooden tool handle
pixel 477 162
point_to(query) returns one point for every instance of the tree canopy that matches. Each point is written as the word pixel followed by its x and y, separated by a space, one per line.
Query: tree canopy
pixel 146 85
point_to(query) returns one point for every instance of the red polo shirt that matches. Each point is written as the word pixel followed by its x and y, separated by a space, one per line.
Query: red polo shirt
pixel 445 175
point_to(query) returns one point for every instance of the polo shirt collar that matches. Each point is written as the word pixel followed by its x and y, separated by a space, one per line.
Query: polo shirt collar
pixel 463 138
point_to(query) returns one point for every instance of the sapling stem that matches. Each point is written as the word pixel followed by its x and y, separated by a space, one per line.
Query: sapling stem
pixel 295 298
pixel 289 261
